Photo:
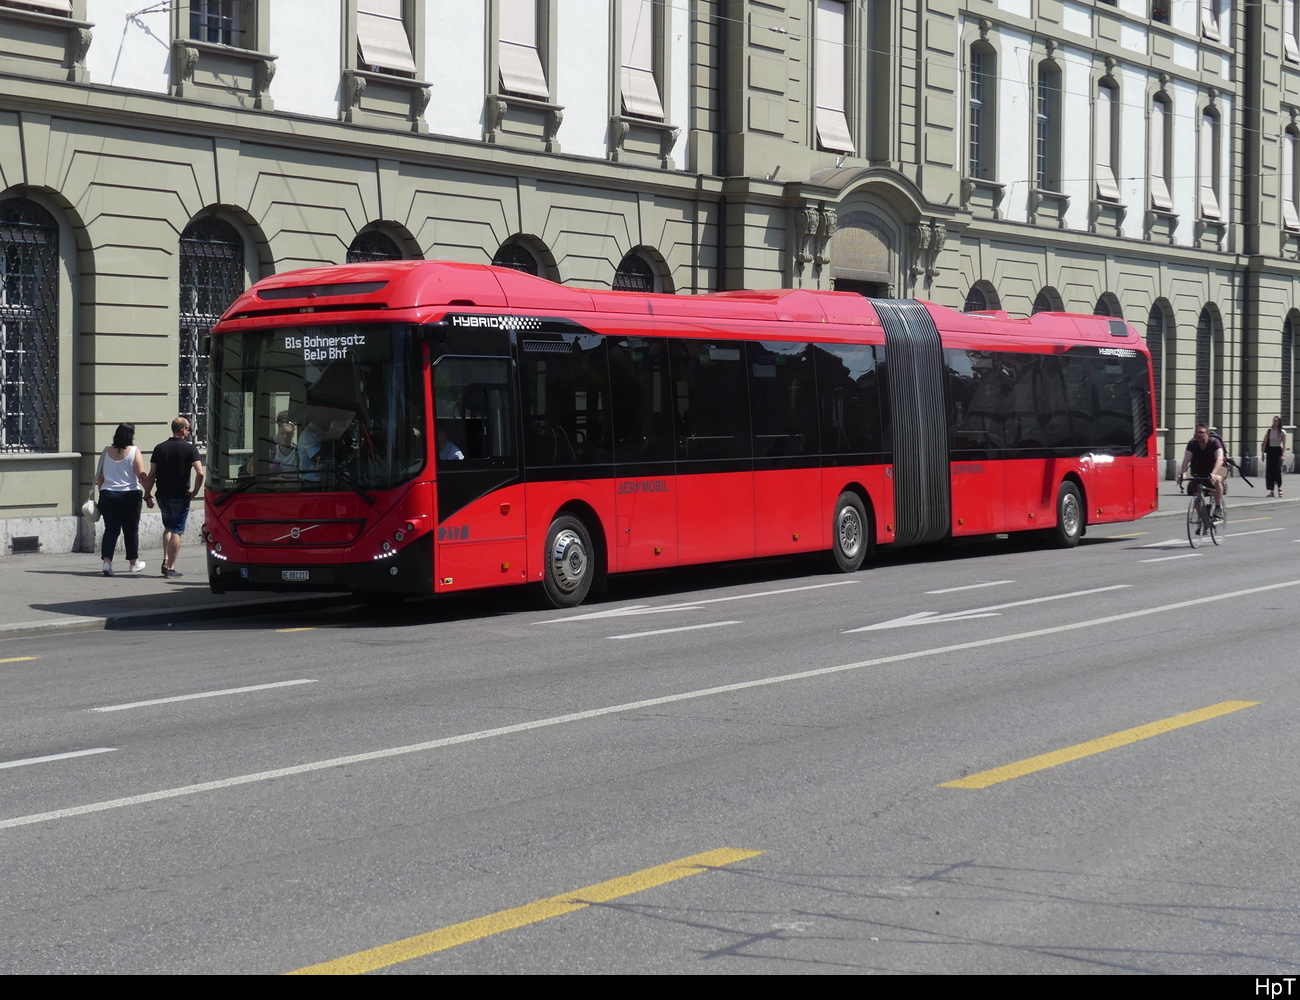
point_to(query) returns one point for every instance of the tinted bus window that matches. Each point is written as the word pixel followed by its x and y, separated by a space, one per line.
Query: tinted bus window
pixel 848 382
pixel 975 382
pixel 565 382
pixel 710 399
pixel 782 399
pixel 641 400
pixel 474 412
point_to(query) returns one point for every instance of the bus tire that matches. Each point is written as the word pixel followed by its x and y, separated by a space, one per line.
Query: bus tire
pixel 850 533
pixel 1069 517
pixel 570 565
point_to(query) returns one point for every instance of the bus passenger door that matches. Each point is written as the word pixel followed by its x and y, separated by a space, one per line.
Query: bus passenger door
pixel 789 512
pixel 481 539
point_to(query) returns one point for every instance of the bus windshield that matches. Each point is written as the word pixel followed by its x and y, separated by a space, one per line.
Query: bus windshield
pixel 315 408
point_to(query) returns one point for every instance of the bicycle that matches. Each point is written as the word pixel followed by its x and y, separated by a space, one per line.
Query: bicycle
pixel 1205 518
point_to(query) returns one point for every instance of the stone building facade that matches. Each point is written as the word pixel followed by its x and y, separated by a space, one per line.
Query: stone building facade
pixel 1136 158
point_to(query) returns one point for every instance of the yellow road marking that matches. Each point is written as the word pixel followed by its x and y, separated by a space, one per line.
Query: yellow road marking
pixel 19 659
pixel 1243 520
pixel 308 628
pixel 1044 761
pixel 1131 534
pixel 521 916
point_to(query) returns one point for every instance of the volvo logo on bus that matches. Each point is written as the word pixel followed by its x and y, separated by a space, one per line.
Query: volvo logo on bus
pixel 295 532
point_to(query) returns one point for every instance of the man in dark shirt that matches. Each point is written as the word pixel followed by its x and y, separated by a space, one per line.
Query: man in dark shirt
pixel 1206 457
pixel 169 471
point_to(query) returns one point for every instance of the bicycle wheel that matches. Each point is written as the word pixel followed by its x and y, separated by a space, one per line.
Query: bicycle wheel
pixel 1195 522
pixel 1219 525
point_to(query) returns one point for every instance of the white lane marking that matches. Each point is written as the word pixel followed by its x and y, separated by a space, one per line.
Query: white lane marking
pixel 647 609
pixel 937 617
pixel 1185 555
pixel 56 756
pixel 665 631
pixel 1161 545
pixel 202 694
pixel 1257 531
pixel 970 586
pixel 596 713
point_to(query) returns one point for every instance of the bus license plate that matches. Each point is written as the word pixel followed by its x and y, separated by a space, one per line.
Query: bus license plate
pixel 295 575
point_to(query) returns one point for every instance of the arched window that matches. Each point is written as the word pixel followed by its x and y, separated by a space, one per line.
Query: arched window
pixel 634 274
pixel 1205 403
pixel 1286 405
pixel 1105 141
pixel 1162 117
pixel 1047 301
pixel 1156 345
pixel 373 245
pixel 1210 160
pixel 29 327
pixel 517 257
pixel 212 276
pixel 982 297
pixel 1108 305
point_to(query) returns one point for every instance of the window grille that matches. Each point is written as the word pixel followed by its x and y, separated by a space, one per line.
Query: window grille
pixel 212 276
pixel 1204 363
pixel 1156 345
pixel 215 21
pixel 977 79
pixel 634 274
pixel 1288 386
pixel 29 327
pixel 518 257
pixel 1045 303
pixel 975 301
pixel 373 246
pixel 1045 130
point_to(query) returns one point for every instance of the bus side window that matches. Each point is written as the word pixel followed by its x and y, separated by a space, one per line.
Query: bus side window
pixel 473 413
pixel 642 407
pixel 848 387
pixel 783 399
pixel 565 383
pixel 711 399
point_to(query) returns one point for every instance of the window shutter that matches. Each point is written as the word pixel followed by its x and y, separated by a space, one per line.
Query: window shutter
pixel 637 80
pixel 1160 197
pixel 381 33
pixel 832 125
pixel 520 62
pixel 1106 186
pixel 1290 149
pixel 1290 44
pixel 1209 198
pixel 58 6
pixel 1210 19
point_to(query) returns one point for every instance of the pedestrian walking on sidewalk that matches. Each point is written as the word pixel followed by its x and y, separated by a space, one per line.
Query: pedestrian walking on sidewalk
pixel 169 479
pixel 120 478
pixel 1272 448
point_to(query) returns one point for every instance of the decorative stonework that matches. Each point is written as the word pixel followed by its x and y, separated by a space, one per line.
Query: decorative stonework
pixel 814 226
pixel 925 241
pixel 643 140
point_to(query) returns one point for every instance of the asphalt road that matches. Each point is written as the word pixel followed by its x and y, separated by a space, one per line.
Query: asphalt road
pixel 357 779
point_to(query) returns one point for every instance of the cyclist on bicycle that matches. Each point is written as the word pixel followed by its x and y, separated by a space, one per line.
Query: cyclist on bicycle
pixel 1205 456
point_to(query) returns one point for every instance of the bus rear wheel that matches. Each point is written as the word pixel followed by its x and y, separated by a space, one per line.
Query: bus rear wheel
pixel 850 533
pixel 569 566
pixel 1069 517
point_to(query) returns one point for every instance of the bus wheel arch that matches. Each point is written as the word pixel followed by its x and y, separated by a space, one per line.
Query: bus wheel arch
pixel 574 559
pixel 853 535
pixel 1071 514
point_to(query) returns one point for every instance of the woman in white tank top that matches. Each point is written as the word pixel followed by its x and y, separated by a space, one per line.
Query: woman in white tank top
pixel 120 478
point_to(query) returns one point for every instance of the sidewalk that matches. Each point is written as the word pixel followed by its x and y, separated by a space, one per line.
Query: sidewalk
pixel 68 592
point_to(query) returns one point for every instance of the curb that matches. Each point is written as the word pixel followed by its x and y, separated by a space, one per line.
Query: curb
pixel 212 612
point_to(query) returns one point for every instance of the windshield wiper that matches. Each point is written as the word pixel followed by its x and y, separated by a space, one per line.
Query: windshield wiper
pixel 355 486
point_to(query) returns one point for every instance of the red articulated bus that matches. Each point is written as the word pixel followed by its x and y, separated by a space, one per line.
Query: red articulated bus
pixel 417 427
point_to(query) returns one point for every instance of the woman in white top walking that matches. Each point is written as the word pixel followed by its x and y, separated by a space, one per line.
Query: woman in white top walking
pixel 1273 447
pixel 120 478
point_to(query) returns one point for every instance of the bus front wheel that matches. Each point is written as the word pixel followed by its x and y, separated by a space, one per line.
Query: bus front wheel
pixel 569 566
pixel 1069 517
pixel 851 533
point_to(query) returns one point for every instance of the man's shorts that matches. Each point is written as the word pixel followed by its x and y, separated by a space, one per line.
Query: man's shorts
pixel 174 514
